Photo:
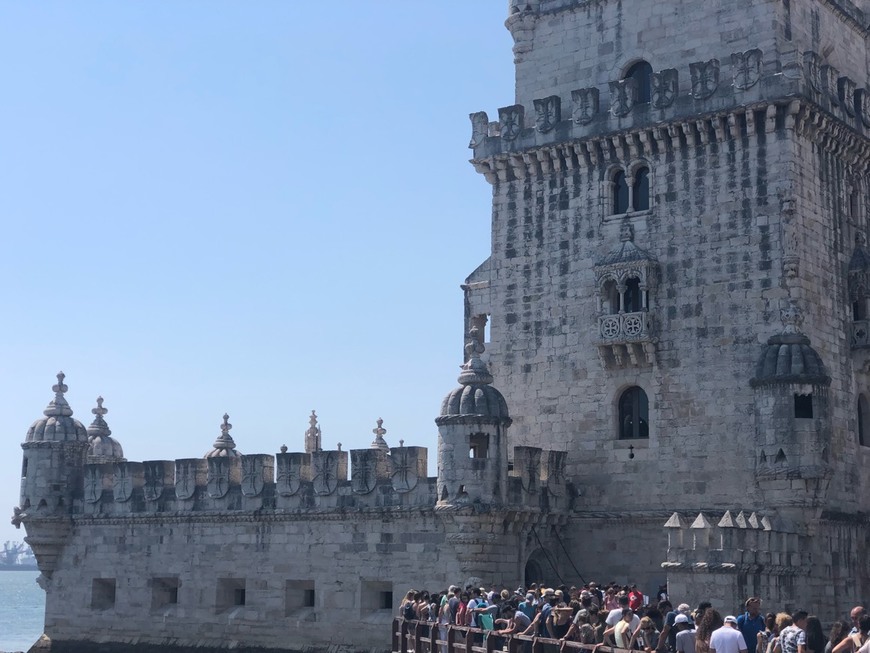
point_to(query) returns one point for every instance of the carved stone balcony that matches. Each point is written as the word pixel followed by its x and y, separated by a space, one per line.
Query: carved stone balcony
pixel 625 339
pixel 860 334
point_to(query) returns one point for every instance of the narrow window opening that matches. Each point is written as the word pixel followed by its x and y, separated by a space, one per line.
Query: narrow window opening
pixel 230 593
pixel 103 593
pixel 640 190
pixel 632 296
pixel 375 596
pixel 803 406
pixel 298 594
pixel 853 204
pixel 611 298
pixel 24 468
pixel 641 72
pixel 620 193
pixel 164 592
pixel 633 414
pixel 478 446
pixel 386 600
pixel 857 313
pixel 863 420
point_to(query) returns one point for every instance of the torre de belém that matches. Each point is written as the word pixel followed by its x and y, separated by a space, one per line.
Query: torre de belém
pixel 667 374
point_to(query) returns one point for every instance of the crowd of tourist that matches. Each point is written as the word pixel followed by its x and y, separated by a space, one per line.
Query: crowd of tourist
pixel 622 617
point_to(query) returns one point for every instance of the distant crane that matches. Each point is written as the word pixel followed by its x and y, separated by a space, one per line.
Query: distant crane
pixel 11 552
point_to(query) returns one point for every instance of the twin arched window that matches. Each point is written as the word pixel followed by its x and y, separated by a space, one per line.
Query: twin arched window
pixel 633 414
pixel 630 194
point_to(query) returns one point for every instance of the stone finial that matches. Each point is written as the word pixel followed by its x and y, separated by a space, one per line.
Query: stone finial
pixel 379 442
pixel 225 440
pixel 99 427
pixel 283 448
pixel 626 232
pixel 401 443
pixel 791 316
pixel 474 371
pixel 58 406
pixel 339 446
pixel 313 435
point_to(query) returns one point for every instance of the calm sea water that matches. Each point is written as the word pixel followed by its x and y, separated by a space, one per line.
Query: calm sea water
pixel 22 608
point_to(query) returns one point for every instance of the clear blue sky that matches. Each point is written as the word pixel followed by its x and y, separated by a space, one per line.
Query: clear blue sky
pixel 261 208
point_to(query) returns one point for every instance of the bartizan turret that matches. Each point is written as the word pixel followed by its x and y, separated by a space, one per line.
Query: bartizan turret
pixel 472 436
pixel 55 450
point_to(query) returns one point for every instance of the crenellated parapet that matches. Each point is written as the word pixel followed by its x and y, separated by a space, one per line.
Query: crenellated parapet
pixel 706 103
pixel 321 480
pixel 736 553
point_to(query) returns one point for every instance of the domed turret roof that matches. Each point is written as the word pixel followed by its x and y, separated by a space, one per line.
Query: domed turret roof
pixel 58 424
pixel 103 447
pixel 788 358
pixel 224 446
pixel 475 396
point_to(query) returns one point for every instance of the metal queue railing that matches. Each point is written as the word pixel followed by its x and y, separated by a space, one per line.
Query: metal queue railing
pixel 426 637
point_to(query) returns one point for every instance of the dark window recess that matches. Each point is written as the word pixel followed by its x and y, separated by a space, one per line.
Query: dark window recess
pixel 620 193
pixel 857 313
pixel 641 73
pixel 239 596
pixel 632 296
pixel 863 420
pixel 308 598
pixel 386 600
pixel 640 190
pixel 803 406
pixel 24 469
pixel 633 414
pixel 478 445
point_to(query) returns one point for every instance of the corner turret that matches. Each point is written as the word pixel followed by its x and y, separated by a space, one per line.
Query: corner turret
pixel 472 436
pixel 55 448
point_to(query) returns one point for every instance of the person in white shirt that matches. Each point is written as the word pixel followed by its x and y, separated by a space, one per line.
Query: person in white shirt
pixel 727 639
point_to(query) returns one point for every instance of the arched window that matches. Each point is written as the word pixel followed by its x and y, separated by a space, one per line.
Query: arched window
pixel 633 414
pixel 632 298
pixel 620 193
pixel 641 72
pixel 863 420
pixel 640 190
pixel 611 297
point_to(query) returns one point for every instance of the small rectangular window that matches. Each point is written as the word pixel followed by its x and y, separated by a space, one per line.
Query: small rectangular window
pixel 24 469
pixel 375 596
pixel 164 592
pixel 103 593
pixel 298 594
pixel 478 445
pixel 803 406
pixel 230 593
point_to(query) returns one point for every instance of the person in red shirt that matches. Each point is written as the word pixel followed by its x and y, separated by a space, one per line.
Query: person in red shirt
pixel 635 598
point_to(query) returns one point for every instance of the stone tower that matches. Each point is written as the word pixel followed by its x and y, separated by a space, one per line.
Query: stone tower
pixel 677 288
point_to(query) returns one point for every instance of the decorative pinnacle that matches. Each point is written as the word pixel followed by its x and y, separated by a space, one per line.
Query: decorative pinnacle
pixel 225 440
pixel 98 427
pixel 626 232
pixel 474 371
pixel 58 406
pixel 379 442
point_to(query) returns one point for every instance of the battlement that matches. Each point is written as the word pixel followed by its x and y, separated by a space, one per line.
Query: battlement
pixel 741 97
pixel 294 481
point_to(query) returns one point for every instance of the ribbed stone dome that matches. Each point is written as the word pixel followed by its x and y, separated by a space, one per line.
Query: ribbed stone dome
pixel 224 446
pixel 103 447
pixel 789 359
pixel 475 399
pixel 58 424
pixel 475 396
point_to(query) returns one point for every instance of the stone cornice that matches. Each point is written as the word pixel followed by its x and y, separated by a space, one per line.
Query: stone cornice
pixel 793 113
